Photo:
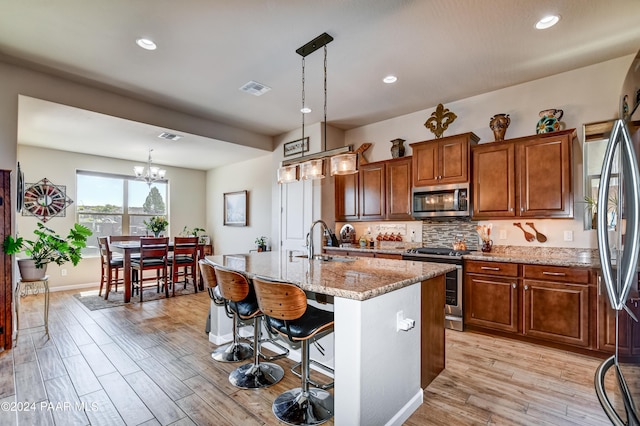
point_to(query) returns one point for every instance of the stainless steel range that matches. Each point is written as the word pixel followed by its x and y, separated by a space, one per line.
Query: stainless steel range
pixel 453 280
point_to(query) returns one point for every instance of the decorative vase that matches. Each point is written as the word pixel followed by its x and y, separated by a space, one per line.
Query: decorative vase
pixel 29 272
pixel 499 124
pixel 549 121
pixel 397 149
pixel 487 245
pixel 156 233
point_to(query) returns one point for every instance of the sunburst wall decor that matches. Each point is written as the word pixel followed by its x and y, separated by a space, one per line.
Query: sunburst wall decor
pixel 45 200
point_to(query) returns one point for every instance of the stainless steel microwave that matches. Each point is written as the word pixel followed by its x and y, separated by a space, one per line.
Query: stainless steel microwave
pixel 441 201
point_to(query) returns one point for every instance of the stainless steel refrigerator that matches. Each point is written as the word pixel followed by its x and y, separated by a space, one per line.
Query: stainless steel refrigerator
pixel 617 379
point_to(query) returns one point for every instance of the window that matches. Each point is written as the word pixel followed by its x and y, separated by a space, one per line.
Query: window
pixel 117 205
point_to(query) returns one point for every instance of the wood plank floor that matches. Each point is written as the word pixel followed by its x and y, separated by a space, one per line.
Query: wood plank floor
pixel 150 364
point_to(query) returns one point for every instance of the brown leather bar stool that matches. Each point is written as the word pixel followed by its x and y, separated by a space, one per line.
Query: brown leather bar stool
pixel 241 299
pixel 287 313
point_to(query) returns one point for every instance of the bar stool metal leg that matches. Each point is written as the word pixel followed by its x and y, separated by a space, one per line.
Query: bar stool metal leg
pixel 304 406
pixel 235 351
pixel 256 374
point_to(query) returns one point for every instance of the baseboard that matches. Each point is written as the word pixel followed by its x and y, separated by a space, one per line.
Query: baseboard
pixel 409 408
pixel 85 286
pixel 220 340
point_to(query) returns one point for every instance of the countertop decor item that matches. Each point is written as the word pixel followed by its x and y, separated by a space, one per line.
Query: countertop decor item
pixel 397 149
pixel 156 224
pixel 549 121
pixel 440 120
pixel 261 242
pixel 485 235
pixel 527 235
pixel 499 124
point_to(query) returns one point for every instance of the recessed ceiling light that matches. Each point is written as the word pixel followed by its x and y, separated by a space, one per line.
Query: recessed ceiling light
pixel 547 22
pixel 305 110
pixel 145 43
pixel 390 79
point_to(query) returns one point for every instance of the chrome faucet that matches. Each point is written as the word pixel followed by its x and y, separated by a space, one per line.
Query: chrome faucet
pixel 325 228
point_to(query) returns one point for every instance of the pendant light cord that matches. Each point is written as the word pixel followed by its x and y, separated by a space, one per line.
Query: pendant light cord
pixel 325 97
pixel 302 109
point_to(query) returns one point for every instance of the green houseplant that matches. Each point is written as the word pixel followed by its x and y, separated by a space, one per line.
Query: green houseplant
pixel 47 247
pixel 261 242
pixel 195 232
pixel 157 224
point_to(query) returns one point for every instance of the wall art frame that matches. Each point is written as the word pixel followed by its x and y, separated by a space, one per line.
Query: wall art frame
pixel 235 208
pixel 45 200
pixel 299 146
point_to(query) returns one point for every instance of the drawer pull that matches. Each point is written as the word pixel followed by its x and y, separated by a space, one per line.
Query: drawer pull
pixel 489 268
pixel 555 274
pixel 514 285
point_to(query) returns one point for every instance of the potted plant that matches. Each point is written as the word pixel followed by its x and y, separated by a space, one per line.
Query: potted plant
pixel 195 232
pixel 48 247
pixel 261 242
pixel 156 224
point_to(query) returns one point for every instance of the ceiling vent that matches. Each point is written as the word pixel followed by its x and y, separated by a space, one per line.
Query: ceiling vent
pixel 255 88
pixel 169 136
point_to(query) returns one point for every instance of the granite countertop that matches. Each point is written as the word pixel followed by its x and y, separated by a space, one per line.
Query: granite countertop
pixel 587 258
pixel 388 247
pixel 358 278
pixel 556 256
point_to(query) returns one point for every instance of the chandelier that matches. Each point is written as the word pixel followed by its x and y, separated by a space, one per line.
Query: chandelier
pixel 312 166
pixel 151 174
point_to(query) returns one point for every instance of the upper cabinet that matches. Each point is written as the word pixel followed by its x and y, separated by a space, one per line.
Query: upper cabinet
pixel 346 193
pixel 442 161
pixel 529 177
pixel 379 191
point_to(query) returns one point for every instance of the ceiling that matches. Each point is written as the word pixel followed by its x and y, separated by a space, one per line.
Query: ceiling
pixel 440 50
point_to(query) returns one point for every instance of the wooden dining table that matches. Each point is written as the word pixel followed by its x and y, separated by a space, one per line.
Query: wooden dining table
pixel 127 248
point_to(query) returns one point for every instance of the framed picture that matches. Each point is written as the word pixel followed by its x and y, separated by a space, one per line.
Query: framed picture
pixel 235 208
pixel 299 146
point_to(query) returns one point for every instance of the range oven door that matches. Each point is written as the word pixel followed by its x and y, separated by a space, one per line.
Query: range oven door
pixel 453 312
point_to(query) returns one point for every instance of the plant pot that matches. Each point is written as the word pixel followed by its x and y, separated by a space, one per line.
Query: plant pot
pixel 29 272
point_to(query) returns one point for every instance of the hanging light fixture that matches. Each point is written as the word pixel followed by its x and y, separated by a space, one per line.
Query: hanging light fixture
pixel 313 167
pixel 151 174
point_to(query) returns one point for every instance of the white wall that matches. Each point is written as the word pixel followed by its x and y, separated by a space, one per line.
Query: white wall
pixel 256 176
pixel 186 207
pixel 586 95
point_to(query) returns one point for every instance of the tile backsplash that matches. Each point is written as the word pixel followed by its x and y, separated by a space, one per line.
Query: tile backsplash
pixel 442 233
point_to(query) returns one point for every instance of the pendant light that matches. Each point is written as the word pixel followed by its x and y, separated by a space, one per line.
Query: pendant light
pixel 345 162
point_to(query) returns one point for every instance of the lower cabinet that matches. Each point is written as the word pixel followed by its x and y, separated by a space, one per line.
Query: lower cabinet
pixel 491 295
pixel 628 329
pixel 547 303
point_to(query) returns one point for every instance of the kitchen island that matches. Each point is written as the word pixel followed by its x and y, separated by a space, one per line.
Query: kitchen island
pixel 380 370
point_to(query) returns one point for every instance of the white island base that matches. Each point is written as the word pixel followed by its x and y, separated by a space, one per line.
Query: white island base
pixel 377 368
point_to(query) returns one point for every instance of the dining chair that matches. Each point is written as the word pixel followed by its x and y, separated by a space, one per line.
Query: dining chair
pixel 287 313
pixel 153 256
pixel 185 257
pixel 110 266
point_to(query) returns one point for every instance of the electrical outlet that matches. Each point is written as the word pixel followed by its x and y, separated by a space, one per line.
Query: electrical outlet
pixel 503 234
pixel 63 272
pixel 568 235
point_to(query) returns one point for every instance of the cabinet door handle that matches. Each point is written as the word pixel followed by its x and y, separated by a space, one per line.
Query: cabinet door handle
pixel 526 287
pixel 489 268
pixel 521 209
pixel 555 274
pixel 510 209
pixel 599 288
pixel 514 285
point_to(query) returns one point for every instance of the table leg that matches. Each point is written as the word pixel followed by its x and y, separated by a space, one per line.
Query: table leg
pixel 127 275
